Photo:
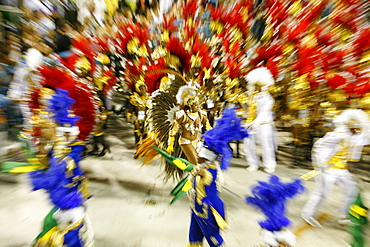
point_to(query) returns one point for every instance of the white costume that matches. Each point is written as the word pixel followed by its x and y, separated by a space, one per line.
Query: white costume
pixel 25 78
pixel 261 123
pixel 330 155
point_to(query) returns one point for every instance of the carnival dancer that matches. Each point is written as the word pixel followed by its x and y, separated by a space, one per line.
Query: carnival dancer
pixel 99 136
pixel 25 79
pixel 330 155
pixel 62 119
pixel 205 180
pixel 60 174
pixel 190 122
pixel 54 167
pixel 139 101
pixel 270 197
pixel 260 121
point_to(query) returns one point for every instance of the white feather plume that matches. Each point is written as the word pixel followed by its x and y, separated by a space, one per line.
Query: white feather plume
pixel 33 58
pixel 262 75
pixel 259 75
pixel 354 114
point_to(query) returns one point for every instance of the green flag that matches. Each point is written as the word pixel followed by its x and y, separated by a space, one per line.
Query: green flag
pixel 358 215
pixel 184 185
pixel 181 163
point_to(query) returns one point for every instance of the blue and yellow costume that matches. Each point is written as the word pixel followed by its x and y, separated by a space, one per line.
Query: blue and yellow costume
pixel 208 212
pixel 66 185
pixel 62 178
pixel 270 198
pixel 204 182
pixel 54 167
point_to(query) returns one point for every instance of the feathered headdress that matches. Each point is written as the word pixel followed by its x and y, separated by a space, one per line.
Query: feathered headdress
pixel 133 40
pixel 110 82
pixel 168 28
pixel 33 58
pixel 133 72
pixel 186 94
pixel 82 57
pixel 102 44
pixel 84 106
pixel 260 76
pixel 83 48
pixel 227 129
pixel 203 58
pixel 154 74
pixel 354 118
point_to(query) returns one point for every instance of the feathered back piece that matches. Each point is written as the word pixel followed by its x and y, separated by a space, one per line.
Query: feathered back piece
pixel 203 58
pixel 168 28
pixel 84 106
pixel 234 69
pixel 270 198
pixel 102 44
pixel 268 56
pixel 55 182
pixel 190 9
pixel 61 107
pixel 133 72
pixel 162 119
pixel 110 82
pixel 227 129
pixel 124 36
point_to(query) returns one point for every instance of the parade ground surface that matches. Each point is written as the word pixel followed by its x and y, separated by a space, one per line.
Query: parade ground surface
pixel 130 203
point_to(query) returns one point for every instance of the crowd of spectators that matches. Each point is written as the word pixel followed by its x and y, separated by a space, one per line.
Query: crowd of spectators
pixel 51 25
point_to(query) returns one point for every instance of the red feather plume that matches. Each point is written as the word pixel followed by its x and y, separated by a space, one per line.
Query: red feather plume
pixel 84 105
pixel 83 45
pixel 103 45
pixel 169 24
pixel 336 81
pixel 174 46
pixel 153 75
pixel 190 9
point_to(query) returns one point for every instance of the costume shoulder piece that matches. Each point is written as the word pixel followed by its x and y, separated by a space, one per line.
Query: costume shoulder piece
pixel 161 117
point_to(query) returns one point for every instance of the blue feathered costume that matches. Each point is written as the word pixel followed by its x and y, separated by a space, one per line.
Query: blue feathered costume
pixel 208 212
pixel 270 198
pixel 64 181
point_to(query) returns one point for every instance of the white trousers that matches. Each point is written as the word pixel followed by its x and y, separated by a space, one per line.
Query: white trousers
pixel 324 185
pixel 265 136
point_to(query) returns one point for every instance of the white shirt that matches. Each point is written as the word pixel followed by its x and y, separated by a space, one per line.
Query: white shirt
pixel 264 112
